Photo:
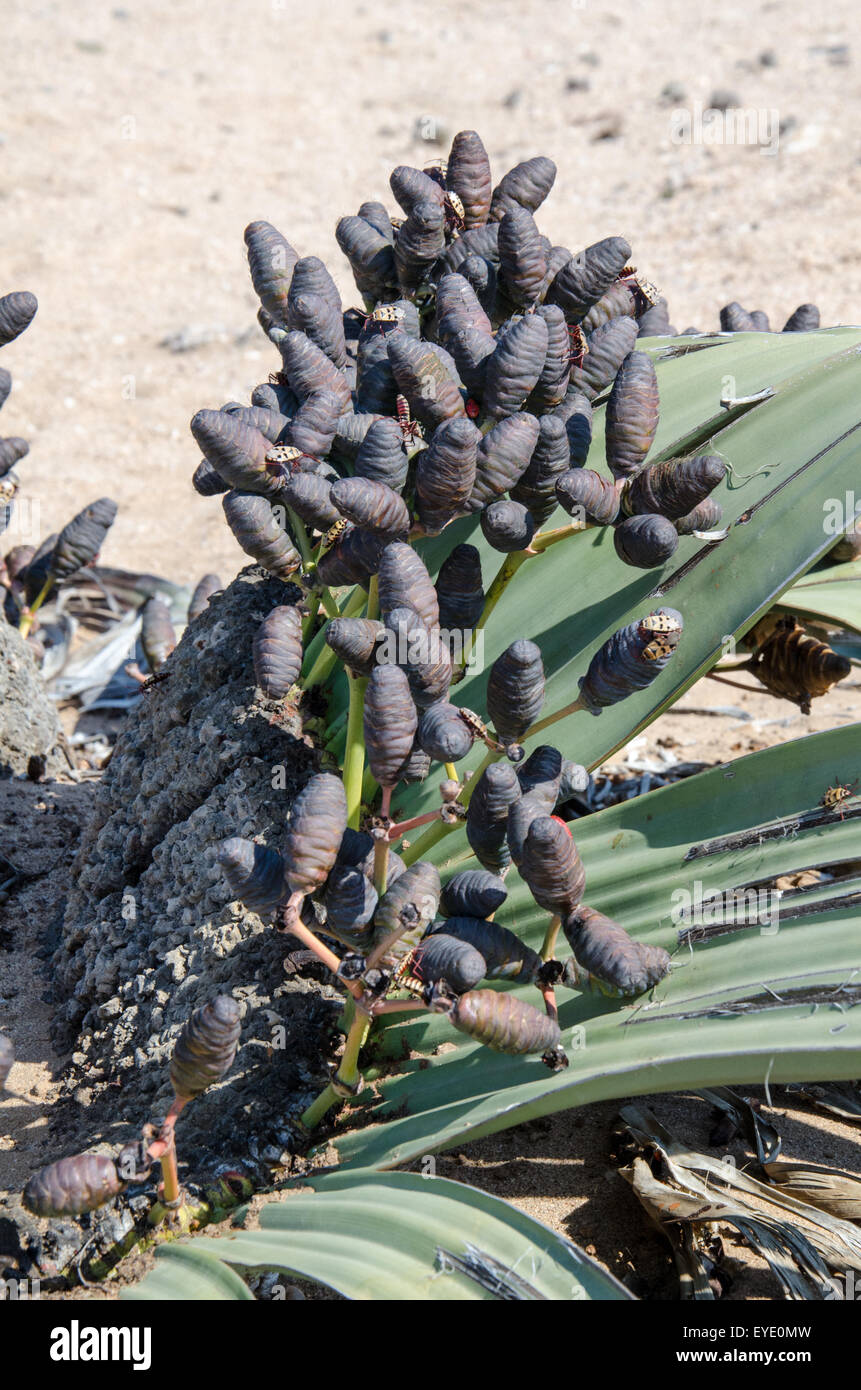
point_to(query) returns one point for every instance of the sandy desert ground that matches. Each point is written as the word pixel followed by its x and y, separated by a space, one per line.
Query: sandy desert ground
pixel 138 140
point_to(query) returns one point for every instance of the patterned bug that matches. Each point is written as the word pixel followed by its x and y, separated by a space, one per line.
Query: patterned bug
pixel 473 409
pixel 436 169
pixel 383 316
pixel 477 726
pixel 455 214
pixel 410 429
pixel 835 796
pixel 336 532
pixel 646 295
pixel 578 347
pixel 283 459
pixel 666 628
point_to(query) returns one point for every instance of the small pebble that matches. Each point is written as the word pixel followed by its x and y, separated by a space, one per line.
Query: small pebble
pixel 723 98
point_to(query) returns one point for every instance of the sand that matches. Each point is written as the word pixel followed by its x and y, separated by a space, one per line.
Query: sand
pixel 139 140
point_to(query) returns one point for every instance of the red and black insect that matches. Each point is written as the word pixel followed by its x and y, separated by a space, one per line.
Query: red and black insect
pixel 473 409
pixel 578 345
pixel 410 429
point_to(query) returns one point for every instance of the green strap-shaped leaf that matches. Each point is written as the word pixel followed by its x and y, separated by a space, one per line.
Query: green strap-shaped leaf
pixel 394 1236
pixel 830 592
pixel 768 1001
pixel 190 1272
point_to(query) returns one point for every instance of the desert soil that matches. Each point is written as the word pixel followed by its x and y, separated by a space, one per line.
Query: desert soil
pixel 138 141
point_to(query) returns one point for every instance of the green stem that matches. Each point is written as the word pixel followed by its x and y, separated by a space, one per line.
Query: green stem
pixel 27 620
pixel 336 731
pixel 549 943
pixel 320 661
pixel 331 608
pixel 506 572
pixel 381 847
pixel 562 713
pixel 308 624
pixel 347 1073
pixel 373 609
pixel 543 542
pixel 354 756
pixel 370 786
pixel 303 545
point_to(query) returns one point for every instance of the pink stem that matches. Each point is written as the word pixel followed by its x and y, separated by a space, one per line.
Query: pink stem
pixel 396 831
